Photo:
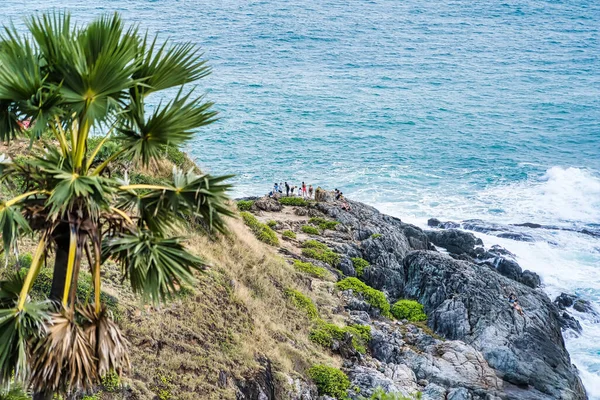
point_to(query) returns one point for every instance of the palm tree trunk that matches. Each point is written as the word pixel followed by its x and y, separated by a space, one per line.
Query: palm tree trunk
pixel 61 238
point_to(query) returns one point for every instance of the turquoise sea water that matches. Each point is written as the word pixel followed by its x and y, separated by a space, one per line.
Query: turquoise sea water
pixel 454 109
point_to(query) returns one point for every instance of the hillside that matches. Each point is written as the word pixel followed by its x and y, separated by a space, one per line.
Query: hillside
pixel 303 299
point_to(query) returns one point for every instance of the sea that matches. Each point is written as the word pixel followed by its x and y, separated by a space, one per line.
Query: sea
pixel 454 109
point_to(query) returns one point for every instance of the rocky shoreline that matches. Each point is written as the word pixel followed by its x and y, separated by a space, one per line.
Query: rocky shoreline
pixel 475 345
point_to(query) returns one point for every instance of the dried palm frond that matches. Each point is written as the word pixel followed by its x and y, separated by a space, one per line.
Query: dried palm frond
pixel 63 361
pixel 106 340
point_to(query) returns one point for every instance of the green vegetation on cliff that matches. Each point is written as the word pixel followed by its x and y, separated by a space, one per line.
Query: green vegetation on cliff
pixel 409 309
pixel 330 381
pixel 359 265
pixel 263 232
pixel 311 269
pixel 372 296
pixel 319 251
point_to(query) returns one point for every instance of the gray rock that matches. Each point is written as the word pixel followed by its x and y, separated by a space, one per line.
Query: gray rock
pixel 455 241
pixel 268 204
pixel 468 302
pixel 434 392
pixel 459 394
pixel 530 279
pixel 346 267
pixel 368 380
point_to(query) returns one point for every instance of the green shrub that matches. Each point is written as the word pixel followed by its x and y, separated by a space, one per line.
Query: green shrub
pixel 293 201
pixel 319 251
pixel 302 302
pixel 359 265
pixel 136 178
pixel 311 230
pixel 330 381
pixel 262 231
pixel 88 397
pixel 323 223
pixel 111 382
pixel 249 219
pixel 376 236
pixel 325 333
pixel 271 224
pixel 245 205
pixel 25 260
pixel 310 269
pixel 288 234
pixel 109 148
pixel 176 156
pixel 372 296
pixel 13 392
pixel 380 394
pixel 314 244
pixel 409 309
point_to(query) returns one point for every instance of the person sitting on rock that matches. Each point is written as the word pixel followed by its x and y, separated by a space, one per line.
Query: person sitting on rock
pixel 338 194
pixel 514 302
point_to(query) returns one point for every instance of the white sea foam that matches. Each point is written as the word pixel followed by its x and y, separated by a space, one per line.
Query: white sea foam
pixel 567 261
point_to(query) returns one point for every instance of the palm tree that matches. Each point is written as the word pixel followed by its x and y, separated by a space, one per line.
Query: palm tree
pixel 69 83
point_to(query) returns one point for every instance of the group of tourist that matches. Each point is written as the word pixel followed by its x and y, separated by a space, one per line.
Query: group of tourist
pixel 303 190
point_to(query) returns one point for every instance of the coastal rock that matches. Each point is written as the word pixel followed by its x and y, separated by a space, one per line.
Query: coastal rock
pixel 261 386
pixel 467 247
pixel 468 302
pixel 387 250
pixel 368 380
pixel 268 204
pixel 455 241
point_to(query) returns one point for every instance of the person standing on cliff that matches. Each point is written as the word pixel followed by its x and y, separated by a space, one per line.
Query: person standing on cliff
pixel 287 189
pixel 303 189
pixel 310 191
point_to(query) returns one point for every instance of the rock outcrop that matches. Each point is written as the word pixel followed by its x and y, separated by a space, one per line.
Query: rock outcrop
pixel 467 303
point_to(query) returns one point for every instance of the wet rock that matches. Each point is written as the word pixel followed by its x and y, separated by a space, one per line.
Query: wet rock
pixel 565 300
pixel 583 306
pixel 530 279
pixel 518 236
pixel 567 321
pixel 455 241
pixel 509 268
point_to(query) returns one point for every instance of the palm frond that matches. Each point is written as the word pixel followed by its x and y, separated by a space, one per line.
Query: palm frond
pixel 63 360
pixel 12 225
pixel 17 330
pixel 161 67
pixel 169 125
pixel 10 289
pixel 156 267
pixel 191 196
pixel 106 339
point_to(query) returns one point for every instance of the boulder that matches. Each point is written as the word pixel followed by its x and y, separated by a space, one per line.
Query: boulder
pixel 455 241
pixel 268 204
